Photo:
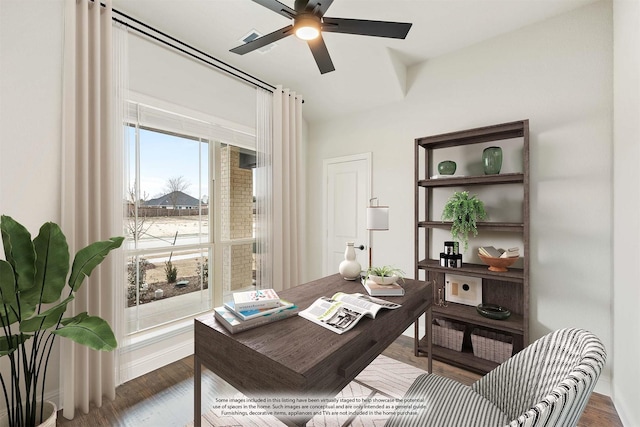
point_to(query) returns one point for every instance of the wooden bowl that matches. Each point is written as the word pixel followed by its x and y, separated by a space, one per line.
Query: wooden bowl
pixel 498 264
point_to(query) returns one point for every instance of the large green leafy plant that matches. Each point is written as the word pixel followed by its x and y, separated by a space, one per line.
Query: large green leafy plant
pixel 464 211
pixel 32 305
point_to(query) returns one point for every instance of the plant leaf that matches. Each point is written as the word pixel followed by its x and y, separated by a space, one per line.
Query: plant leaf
pixel 52 264
pixel 90 331
pixel 46 319
pixel 8 301
pixel 7 283
pixel 19 251
pixel 10 344
pixel 89 258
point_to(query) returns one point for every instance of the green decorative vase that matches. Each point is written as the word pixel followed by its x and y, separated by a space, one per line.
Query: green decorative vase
pixel 492 160
pixel 447 167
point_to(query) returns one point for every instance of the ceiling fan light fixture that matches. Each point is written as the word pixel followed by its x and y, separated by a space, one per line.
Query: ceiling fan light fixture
pixel 307 28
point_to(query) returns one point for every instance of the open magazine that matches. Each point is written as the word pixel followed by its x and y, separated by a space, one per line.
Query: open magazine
pixel 343 311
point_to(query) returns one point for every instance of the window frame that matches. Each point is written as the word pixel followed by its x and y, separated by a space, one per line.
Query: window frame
pixel 223 132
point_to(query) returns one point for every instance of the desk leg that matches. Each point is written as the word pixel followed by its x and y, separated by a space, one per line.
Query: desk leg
pixel 197 391
pixel 429 321
pixel 416 337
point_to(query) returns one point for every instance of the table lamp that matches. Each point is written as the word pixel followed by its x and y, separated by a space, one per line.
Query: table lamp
pixel 377 219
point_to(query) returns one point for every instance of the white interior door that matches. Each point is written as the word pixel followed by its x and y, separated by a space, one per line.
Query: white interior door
pixel 347 188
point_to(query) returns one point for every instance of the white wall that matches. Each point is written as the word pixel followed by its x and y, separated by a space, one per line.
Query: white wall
pixel 558 74
pixel 626 316
pixel 159 72
pixel 30 115
pixel 30 122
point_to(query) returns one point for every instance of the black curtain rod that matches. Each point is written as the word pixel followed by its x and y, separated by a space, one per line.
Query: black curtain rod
pixel 227 68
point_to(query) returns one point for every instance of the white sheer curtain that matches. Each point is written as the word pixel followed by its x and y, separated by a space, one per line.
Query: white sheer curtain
pixel 90 191
pixel 280 192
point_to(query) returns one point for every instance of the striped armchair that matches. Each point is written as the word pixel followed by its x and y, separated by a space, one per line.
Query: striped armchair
pixel 546 384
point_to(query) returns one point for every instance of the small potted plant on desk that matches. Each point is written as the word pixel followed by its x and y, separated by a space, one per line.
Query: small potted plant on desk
pixel 385 275
pixel 32 280
pixel 464 211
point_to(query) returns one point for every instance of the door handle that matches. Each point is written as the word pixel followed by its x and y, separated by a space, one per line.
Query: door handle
pixel 361 247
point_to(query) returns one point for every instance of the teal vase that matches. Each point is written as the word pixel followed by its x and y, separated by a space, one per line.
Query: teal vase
pixel 447 167
pixel 492 160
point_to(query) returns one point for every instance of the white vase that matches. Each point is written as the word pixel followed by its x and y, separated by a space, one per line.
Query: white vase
pixel 350 268
pixel 49 415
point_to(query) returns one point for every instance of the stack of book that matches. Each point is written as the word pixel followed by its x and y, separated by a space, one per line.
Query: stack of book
pixel 374 289
pixel 251 309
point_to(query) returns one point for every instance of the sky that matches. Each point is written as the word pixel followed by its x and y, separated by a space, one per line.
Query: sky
pixel 163 157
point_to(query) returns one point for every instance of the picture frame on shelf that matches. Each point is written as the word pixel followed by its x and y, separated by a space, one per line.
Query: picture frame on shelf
pixel 463 289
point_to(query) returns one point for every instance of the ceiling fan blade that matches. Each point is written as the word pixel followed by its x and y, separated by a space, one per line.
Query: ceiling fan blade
pixel 263 41
pixel 321 55
pixel 396 30
pixel 319 6
pixel 277 7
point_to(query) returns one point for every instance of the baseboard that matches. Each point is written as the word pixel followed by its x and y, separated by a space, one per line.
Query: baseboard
pixel 624 408
pixel 154 352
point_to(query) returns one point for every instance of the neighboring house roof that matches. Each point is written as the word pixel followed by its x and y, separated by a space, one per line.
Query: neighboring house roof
pixel 175 198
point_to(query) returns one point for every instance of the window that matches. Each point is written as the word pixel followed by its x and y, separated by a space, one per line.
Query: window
pixel 189 216
pixel 169 244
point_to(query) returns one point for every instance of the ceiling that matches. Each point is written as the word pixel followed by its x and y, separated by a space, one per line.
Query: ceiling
pixel 370 71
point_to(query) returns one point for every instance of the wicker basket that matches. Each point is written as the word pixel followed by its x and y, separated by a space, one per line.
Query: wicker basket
pixel 448 334
pixel 491 345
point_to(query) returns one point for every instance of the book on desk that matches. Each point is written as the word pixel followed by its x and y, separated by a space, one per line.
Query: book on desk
pixel 258 298
pixel 235 324
pixel 257 312
pixel 250 309
pixel 376 290
pixel 343 311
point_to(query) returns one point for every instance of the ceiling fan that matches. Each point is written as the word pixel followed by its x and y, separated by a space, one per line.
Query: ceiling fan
pixel 309 22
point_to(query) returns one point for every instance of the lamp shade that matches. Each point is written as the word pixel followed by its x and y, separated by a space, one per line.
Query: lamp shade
pixel 378 218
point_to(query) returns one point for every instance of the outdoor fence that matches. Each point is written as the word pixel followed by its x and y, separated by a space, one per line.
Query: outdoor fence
pixel 161 212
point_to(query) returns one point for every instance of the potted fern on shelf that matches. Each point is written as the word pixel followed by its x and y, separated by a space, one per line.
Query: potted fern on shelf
pixel 464 211
pixel 32 305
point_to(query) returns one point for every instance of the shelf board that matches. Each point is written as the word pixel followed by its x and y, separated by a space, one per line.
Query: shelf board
pixel 456 181
pixel 517 227
pixel 462 359
pixel 515 275
pixel 467 313
pixel 473 136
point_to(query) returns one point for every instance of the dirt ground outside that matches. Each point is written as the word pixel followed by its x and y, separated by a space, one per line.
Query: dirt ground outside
pixel 188 278
pixel 187 281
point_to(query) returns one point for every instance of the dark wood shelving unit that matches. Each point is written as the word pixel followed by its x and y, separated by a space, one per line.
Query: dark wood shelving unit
pixel 495 226
pixel 507 178
pixel 477 270
pixel 462 359
pixel 465 313
pixel 510 288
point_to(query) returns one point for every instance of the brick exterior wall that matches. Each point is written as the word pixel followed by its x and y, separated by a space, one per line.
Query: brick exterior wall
pixel 237 219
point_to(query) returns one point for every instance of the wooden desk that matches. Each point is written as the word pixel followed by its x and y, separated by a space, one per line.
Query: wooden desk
pixel 296 357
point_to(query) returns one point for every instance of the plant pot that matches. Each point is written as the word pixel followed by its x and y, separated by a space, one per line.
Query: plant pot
pixel 384 280
pixel 50 416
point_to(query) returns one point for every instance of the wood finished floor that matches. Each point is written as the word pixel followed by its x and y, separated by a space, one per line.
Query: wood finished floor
pixel 164 398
